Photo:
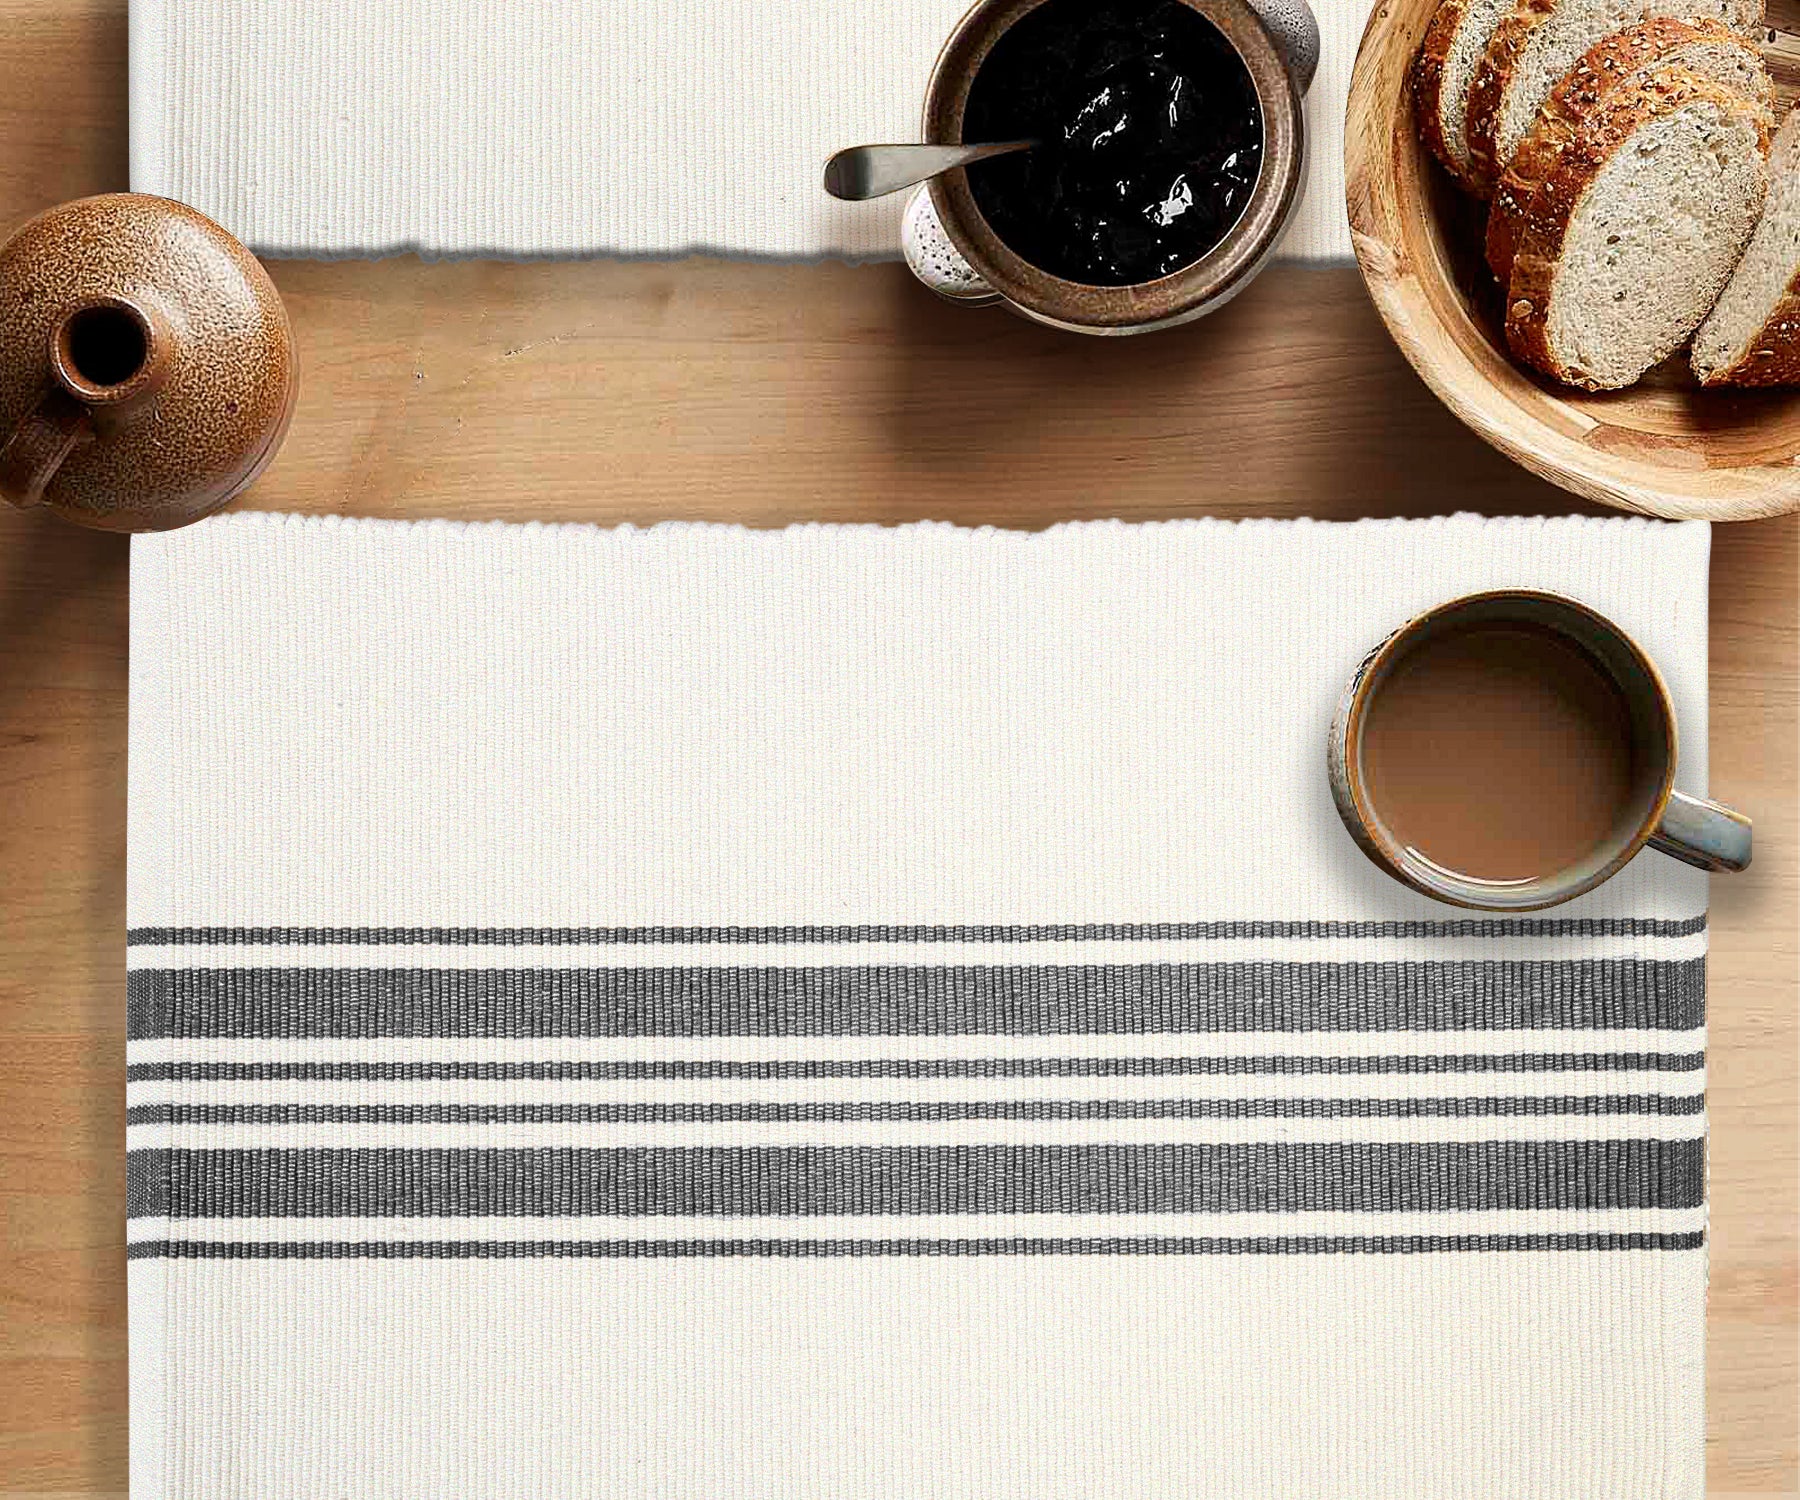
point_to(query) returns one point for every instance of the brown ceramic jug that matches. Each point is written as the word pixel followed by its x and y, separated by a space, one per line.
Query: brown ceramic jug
pixel 147 369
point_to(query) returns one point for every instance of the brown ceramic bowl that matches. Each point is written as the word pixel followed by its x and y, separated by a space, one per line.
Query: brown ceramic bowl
pixel 1190 292
pixel 1664 447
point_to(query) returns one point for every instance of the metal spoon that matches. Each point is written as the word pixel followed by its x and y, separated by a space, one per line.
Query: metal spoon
pixel 871 171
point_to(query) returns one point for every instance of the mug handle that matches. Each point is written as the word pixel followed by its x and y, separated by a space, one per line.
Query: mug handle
pixel 45 436
pixel 1295 31
pixel 1703 834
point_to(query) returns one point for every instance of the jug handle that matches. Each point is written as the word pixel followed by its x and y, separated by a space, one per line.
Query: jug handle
pixel 37 447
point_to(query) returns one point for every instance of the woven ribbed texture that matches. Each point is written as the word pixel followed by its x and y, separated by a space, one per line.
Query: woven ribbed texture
pixel 568 127
pixel 877 1013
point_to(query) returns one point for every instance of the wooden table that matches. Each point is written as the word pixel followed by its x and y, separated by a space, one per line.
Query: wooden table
pixel 764 394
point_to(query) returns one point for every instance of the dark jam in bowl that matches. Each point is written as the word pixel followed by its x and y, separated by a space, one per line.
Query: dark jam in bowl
pixel 1150 137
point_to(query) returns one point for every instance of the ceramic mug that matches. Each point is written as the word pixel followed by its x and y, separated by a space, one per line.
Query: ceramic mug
pixel 1691 829
pixel 951 248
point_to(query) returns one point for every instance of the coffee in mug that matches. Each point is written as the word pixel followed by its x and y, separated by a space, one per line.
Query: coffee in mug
pixel 1513 750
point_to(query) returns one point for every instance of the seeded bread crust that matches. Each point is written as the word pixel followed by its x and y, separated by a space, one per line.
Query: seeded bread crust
pixel 1620 59
pixel 1774 359
pixel 1428 83
pixel 1771 355
pixel 1548 220
pixel 1494 78
pixel 1452 49
pixel 1489 88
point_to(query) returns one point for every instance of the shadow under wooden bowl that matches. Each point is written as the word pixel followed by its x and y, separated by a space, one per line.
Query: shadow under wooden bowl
pixel 1665 447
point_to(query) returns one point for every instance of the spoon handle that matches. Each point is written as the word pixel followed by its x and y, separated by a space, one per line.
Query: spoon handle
pixel 872 171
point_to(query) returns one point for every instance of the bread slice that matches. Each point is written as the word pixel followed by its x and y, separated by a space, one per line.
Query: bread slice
pixel 1453 48
pixel 1708 48
pixel 1538 41
pixel 1637 229
pixel 1752 335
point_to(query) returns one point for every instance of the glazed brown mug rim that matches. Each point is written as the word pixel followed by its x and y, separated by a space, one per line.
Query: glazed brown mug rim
pixel 1194 289
pixel 1553 887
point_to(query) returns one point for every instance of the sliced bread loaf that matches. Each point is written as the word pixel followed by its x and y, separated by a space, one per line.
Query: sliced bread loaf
pixel 1622 60
pixel 1637 229
pixel 1538 41
pixel 1752 335
pixel 1453 48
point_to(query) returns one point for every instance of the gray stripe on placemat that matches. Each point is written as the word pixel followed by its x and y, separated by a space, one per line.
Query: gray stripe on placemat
pixel 910 1113
pixel 802 1249
pixel 1470 927
pixel 897 1000
pixel 989 1179
pixel 973 1067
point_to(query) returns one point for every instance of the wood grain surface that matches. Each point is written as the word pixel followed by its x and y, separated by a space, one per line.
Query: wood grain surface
pixel 765 394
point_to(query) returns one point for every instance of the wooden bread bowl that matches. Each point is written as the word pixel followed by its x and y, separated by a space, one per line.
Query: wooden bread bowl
pixel 1664 447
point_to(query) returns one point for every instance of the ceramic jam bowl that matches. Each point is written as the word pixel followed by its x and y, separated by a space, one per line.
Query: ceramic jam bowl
pixel 952 248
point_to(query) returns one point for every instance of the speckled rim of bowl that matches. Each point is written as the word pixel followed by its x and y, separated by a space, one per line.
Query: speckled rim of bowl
pixel 1218 275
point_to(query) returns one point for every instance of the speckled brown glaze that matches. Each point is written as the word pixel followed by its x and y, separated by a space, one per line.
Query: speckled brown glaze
pixel 188 425
pixel 1190 292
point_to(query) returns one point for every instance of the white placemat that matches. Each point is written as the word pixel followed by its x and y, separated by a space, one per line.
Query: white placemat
pixel 877 1013
pixel 569 127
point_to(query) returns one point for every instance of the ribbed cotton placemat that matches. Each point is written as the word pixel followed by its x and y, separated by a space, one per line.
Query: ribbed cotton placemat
pixel 888 1013
pixel 569 127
